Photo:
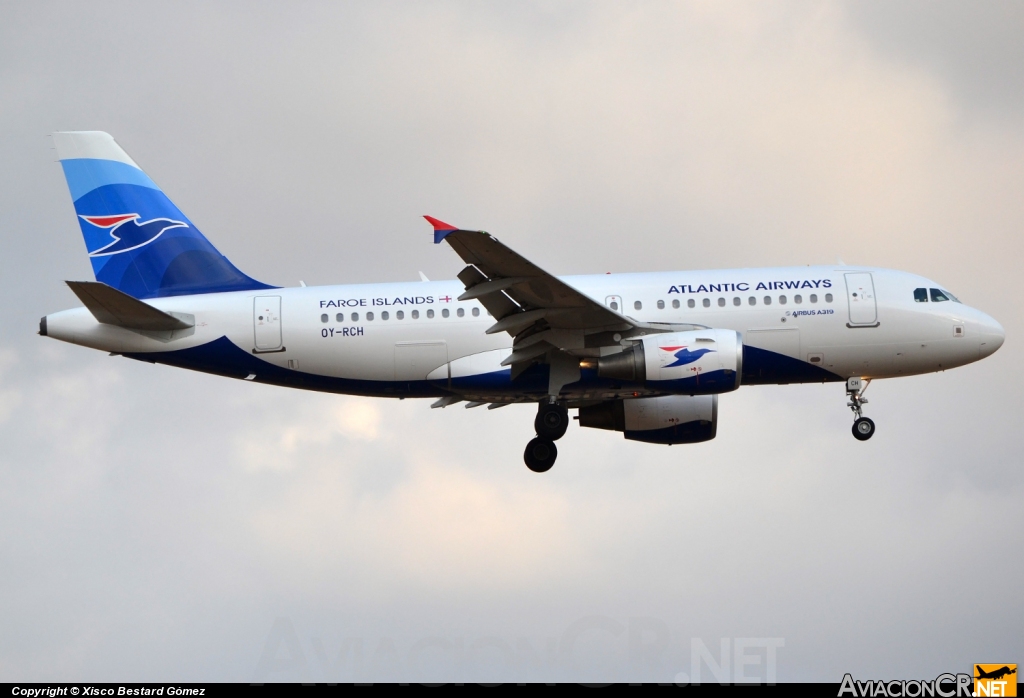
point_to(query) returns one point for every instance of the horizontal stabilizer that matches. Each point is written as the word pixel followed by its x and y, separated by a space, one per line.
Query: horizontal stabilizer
pixel 113 307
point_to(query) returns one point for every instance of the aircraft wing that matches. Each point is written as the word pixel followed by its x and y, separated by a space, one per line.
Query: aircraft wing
pixel 550 320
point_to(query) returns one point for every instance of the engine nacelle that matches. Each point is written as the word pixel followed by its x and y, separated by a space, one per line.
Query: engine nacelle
pixel 669 419
pixel 698 362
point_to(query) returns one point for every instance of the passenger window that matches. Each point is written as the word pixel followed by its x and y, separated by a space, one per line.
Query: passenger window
pixel 690 303
pixel 661 305
pixel 400 315
pixel 814 298
pixel 355 317
pixel 707 302
pixel 444 312
pixel 767 300
pixel 938 296
pixel 430 313
pixel 369 317
pixel 461 312
pixel 384 315
pixel 476 312
pixel 828 297
pixel 782 300
pixel 920 295
pixel 675 303
pixel 752 301
pixel 637 305
pixel 736 300
pixel 415 315
pixel 614 305
pixel 323 318
pixel 721 302
pixel 798 299
pixel 340 317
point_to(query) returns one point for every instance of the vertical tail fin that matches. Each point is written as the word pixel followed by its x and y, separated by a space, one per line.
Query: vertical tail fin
pixel 137 240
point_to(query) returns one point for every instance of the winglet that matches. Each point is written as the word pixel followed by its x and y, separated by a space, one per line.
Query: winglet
pixel 441 229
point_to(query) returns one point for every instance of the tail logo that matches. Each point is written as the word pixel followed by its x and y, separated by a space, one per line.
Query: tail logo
pixel 684 356
pixel 128 233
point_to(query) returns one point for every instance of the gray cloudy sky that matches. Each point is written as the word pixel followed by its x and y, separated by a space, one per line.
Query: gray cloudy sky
pixel 157 524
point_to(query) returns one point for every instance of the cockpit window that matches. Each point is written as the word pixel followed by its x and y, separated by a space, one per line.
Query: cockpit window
pixel 938 296
pixel 951 297
pixel 921 295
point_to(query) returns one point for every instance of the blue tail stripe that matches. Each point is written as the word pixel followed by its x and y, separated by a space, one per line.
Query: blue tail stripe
pixel 176 264
pixel 85 174
pixel 137 239
pixel 151 259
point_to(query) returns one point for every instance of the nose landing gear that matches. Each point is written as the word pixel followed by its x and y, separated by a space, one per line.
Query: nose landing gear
pixel 551 423
pixel 863 428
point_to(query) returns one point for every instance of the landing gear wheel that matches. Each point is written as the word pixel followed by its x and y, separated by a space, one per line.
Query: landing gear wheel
pixel 540 454
pixel 863 429
pixel 551 421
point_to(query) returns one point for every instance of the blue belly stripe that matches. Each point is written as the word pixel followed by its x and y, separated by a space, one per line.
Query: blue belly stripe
pixel 763 367
pixel 223 357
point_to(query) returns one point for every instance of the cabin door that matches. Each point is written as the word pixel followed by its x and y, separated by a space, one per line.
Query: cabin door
pixel 860 296
pixel 266 320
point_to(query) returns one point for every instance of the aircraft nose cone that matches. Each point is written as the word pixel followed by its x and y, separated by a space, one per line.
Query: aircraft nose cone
pixel 992 336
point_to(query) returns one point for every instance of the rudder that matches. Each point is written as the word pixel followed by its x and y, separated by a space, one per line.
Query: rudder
pixel 138 241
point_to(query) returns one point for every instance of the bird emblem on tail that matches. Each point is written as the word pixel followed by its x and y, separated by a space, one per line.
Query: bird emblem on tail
pixel 127 233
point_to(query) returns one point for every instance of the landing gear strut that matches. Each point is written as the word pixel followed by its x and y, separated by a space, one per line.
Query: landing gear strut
pixel 551 422
pixel 863 428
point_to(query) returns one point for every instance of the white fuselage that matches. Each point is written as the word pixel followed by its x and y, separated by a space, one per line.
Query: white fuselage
pixel 842 321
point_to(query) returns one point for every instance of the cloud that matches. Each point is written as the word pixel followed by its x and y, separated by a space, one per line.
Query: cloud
pixel 439 529
pixel 316 423
pixel 9 399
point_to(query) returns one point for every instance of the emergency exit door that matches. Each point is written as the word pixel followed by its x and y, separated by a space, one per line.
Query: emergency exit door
pixel 860 296
pixel 266 321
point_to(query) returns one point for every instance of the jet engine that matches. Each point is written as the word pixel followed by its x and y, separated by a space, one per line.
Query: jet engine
pixel 669 419
pixel 697 362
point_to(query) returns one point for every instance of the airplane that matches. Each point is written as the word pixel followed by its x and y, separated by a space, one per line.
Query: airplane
pixel 995 674
pixel 644 354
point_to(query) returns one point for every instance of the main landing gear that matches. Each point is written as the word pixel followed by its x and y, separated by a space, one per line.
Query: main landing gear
pixel 540 454
pixel 551 422
pixel 863 428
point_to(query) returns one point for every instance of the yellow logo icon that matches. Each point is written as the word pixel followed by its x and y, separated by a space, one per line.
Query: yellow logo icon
pixel 995 680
